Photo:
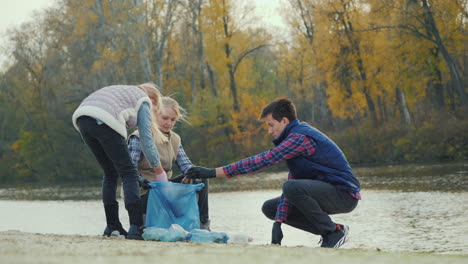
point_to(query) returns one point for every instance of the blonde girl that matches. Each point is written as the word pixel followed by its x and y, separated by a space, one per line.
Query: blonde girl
pixel 171 152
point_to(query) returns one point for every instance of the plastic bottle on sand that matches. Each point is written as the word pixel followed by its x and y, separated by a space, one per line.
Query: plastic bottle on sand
pixel 204 236
pixel 239 238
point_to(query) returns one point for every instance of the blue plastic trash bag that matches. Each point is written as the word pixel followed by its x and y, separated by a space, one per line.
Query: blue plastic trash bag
pixel 171 234
pixel 173 203
pixel 205 236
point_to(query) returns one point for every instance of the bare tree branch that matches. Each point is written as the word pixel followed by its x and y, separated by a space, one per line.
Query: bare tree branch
pixel 245 54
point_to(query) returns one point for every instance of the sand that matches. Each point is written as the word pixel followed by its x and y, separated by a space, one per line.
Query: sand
pixel 21 247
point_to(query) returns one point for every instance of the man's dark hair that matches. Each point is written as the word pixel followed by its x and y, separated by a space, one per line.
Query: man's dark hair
pixel 279 108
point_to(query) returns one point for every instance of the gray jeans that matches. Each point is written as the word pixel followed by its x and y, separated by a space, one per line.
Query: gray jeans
pixel 312 203
pixel 111 151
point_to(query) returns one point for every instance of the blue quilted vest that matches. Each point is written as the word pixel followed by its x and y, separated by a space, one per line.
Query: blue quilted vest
pixel 327 163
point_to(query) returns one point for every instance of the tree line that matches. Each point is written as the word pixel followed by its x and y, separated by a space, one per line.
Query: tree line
pixel 385 79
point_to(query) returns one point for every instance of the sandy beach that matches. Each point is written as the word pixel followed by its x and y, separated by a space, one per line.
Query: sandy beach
pixel 21 247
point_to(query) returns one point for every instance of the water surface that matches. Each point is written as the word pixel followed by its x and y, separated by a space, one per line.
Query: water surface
pixel 415 208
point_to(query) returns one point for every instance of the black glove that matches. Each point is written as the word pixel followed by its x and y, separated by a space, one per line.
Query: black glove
pixel 200 173
pixel 144 183
pixel 276 233
pixel 177 178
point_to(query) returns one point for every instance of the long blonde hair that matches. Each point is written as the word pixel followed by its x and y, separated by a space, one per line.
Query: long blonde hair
pixel 156 98
pixel 168 102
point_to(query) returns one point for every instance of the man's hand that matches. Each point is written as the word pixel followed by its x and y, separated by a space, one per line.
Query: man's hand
pixel 144 183
pixel 200 173
pixel 276 233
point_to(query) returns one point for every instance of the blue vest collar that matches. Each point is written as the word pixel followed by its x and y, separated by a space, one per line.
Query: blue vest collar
pixel 285 132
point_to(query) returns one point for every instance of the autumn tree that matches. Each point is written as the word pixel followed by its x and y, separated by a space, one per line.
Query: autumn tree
pixel 298 59
pixel 436 27
pixel 233 44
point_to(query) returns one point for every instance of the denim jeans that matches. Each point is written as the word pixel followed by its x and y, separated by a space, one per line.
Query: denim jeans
pixel 111 151
pixel 312 203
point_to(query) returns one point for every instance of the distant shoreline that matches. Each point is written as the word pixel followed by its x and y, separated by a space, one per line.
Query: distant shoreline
pixel 416 177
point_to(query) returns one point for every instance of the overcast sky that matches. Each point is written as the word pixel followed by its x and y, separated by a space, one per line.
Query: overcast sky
pixel 15 12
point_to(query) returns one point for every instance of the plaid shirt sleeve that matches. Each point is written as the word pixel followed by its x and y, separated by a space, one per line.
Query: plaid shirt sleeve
pixel 283 206
pixel 294 145
pixel 182 160
pixel 134 147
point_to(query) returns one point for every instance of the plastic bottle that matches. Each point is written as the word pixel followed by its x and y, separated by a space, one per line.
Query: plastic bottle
pixel 204 236
pixel 239 239
pixel 164 234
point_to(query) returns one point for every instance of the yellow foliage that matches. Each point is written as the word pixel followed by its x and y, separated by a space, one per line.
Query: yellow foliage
pixel 356 59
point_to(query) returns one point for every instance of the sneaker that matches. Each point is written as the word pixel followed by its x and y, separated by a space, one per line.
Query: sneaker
pixel 117 234
pixel 135 232
pixel 336 238
pixel 112 231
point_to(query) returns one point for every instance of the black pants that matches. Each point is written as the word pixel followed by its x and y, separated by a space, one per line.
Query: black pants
pixel 202 200
pixel 111 151
pixel 312 203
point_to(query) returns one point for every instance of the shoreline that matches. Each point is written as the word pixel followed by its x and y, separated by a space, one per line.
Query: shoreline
pixel 406 177
pixel 22 247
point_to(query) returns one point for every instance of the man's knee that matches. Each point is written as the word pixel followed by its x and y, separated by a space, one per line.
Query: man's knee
pixel 268 210
pixel 290 188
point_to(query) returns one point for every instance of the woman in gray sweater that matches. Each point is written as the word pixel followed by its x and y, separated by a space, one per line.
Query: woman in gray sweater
pixel 102 120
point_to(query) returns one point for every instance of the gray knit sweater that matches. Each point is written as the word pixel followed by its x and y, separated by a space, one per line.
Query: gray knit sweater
pixel 117 106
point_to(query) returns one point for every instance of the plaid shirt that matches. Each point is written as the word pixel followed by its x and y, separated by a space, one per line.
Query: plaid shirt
pixel 294 145
pixel 182 160
pixel 134 147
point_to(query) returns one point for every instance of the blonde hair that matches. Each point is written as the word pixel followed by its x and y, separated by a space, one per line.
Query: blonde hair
pixel 155 95
pixel 168 102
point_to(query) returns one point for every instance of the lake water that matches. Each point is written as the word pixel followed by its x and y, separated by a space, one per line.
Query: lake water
pixel 417 208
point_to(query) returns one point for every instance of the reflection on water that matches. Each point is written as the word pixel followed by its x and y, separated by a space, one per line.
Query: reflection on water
pixel 411 177
pixel 387 220
pixel 417 208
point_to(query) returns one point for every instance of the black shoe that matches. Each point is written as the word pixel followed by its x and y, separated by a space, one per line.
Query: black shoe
pixel 115 231
pixel 336 238
pixel 135 232
pixel 205 225
pixel 114 227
